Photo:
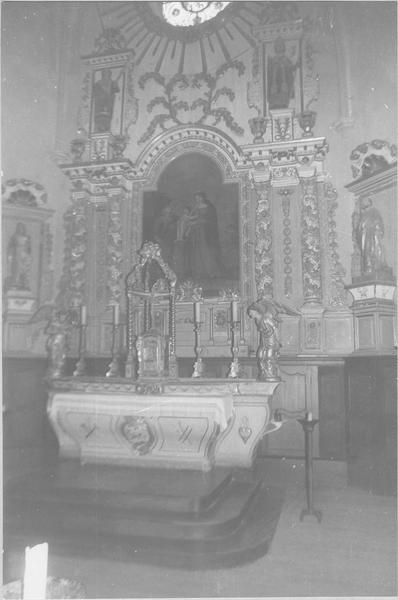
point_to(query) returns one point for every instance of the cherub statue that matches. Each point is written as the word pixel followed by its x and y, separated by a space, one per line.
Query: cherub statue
pixel 265 313
pixel 60 323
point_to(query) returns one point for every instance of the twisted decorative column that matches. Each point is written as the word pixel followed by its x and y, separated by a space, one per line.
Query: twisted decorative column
pixel 263 250
pixel 311 243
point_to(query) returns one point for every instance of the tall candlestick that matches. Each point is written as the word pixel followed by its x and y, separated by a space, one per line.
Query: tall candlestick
pixel 197 312
pixel 35 576
pixel 83 314
pixel 116 314
pixel 234 311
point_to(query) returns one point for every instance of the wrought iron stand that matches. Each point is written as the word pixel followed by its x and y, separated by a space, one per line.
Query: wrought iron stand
pixel 308 427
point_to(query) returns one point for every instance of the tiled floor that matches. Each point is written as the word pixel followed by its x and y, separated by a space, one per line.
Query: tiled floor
pixel 351 553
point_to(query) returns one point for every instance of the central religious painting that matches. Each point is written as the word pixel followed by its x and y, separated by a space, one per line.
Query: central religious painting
pixel 194 217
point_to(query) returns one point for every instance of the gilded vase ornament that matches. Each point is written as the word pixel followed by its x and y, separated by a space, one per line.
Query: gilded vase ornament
pixel 307 122
pixel 258 127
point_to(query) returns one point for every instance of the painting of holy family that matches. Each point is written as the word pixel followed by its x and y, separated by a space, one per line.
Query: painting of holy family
pixel 194 216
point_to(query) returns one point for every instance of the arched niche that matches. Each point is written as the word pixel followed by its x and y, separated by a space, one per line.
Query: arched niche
pixel 181 163
pixel 199 243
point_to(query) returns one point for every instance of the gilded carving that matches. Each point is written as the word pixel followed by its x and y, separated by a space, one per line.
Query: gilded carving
pixel 72 283
pixel 139 434
pixel 372 157
pixel 110 40
pixel 263 246
pixel 115 251
pixel 311 243
pixel 174 107
pixel 337 291
pixel 265 315
pixel 287 243
pixel 23 192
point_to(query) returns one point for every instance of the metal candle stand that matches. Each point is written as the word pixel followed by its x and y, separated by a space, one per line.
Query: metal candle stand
pixel 114 366
pixel 234 366
pixel 308 427
pixel 81 366
pixel 198 364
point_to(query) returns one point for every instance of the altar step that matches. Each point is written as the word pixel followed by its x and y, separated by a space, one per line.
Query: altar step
pixel 181 519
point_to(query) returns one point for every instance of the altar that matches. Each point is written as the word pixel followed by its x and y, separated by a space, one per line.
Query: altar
pixel 181 424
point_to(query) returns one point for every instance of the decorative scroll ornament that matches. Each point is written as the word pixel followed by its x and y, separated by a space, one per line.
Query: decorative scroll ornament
pixel 311 243
pixel 204 82
pixel 138 434
pixel 110 40
pixel 263 248
pixel 23 192
pixel 115 252
pixel 372 157
pixel 337 291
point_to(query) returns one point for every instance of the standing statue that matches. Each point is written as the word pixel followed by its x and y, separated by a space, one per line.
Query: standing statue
pixel 280 74
pixel 19 259
pixel 369 235
pixel 265 313
pixel 60 323
pixel 104 91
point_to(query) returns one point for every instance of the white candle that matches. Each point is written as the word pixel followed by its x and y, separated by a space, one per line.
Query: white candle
pixel 196 307
pixel 116 314
pixel 309 416
pixel 83 314
pixel 35 576
pixel 234 311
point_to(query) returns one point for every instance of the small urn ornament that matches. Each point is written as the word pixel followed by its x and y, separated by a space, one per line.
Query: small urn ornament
pixel 307 122
pixel 119 145
pixel 77 148
pixel 258 127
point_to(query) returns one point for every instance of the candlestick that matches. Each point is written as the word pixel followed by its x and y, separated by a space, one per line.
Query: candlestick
pixel 198 364
pixel 234 306
pixel 35 575
pixel 196 308
pixel 83 314
pixel 116 314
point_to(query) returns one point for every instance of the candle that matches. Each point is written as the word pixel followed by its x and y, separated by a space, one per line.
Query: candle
pixel 234 311
pixel 309 416
pixel 35 575
pixel 196 307
pixel 83 314
pixel 116 314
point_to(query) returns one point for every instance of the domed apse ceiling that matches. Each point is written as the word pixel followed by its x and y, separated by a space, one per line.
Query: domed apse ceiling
pixel 217 32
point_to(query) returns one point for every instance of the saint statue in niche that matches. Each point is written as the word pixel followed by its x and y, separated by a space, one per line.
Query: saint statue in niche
pixel 280 75
pixel 19 259
pixel 104 92
pixel 369 235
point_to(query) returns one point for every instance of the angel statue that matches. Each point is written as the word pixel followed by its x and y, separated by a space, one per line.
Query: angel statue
pixel 60 322
pixel 265 313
